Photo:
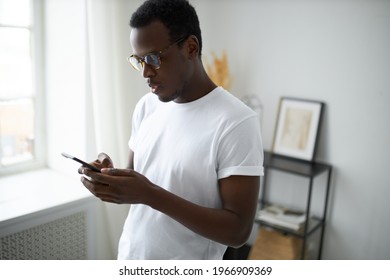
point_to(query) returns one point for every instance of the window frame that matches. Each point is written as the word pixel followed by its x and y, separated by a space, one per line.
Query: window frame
pixel 37 50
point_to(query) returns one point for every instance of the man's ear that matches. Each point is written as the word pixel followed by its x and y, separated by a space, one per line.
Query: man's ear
pixel 192 47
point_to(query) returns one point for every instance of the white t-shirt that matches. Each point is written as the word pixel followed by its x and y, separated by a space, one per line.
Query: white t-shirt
pixel 186 148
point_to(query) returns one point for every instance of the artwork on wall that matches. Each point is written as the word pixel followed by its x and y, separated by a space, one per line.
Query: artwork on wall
pixel 297 128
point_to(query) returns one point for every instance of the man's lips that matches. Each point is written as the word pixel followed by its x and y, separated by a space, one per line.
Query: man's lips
pixel 153 87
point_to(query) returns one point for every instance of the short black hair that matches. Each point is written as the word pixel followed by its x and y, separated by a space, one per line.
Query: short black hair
pixel 179 16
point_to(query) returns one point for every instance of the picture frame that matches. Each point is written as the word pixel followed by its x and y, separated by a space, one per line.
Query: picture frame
pixel 297 128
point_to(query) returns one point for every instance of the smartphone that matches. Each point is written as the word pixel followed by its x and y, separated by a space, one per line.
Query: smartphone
pixel 83 163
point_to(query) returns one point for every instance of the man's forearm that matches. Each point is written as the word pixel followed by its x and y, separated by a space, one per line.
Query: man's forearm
pixel 220 225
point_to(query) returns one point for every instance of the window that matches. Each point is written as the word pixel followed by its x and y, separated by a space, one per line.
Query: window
pixel 21 96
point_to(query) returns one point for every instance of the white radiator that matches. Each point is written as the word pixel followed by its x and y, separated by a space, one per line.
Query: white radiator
pixel 60 233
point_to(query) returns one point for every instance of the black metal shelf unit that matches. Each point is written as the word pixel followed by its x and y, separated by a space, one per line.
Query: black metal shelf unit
pixel 301 168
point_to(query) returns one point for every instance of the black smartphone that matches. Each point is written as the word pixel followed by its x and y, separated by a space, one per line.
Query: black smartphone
pixel 83 163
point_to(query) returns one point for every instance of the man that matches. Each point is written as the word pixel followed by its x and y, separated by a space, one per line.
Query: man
pixel 196 151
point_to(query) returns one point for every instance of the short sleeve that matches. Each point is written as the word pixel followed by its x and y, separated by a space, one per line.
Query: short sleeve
pixel 240 151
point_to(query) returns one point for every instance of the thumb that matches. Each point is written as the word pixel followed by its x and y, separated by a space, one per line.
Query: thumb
pixel 105 160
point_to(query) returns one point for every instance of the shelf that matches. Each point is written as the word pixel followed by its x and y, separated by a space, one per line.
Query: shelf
pixel 305 169
pixel 314 224
pixel 290 165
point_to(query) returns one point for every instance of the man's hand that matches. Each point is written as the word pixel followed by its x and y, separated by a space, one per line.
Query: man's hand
pixel 118 185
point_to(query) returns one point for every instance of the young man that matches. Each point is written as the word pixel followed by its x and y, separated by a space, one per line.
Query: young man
pixel 196 150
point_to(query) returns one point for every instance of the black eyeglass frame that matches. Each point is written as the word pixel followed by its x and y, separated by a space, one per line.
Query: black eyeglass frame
pixel 157 57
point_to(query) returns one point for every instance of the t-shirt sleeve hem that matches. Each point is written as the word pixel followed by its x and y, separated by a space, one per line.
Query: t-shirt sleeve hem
pixel 241 170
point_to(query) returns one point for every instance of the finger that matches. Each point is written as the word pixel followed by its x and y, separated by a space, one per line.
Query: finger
pixel 97 177
pixel 108 176
pixel 97 189
pixel 80 170
pixel 104 190
pixel 117 171
pixel 105 160
pixel 87 171
pixel 88 184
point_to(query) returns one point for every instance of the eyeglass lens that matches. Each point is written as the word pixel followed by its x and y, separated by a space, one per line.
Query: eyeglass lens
pixel 150 59
pixel 153 60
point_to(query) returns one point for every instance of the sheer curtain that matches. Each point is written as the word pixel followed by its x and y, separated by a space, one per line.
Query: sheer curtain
pixel 108 103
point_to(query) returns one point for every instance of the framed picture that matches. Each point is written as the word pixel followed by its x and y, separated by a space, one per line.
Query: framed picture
pixel 297 128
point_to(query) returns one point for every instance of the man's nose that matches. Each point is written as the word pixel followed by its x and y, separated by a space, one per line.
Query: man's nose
pixel 148 71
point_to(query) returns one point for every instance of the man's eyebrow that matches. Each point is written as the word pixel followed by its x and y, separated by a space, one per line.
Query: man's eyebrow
pixel 142 56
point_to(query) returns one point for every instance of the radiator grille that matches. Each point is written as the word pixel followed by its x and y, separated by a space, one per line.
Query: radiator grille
pixel 65 239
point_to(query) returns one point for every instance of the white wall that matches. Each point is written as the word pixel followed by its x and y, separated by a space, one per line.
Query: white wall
pixel 336 52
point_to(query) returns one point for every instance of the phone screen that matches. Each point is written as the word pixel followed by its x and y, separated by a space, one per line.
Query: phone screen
pixel 83 163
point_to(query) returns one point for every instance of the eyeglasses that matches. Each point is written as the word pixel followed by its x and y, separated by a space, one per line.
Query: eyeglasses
pixel 153 59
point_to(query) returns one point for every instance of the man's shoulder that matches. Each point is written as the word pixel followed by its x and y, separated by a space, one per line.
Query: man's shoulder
pixel 231 104
pixel 147 99
pixel 146 104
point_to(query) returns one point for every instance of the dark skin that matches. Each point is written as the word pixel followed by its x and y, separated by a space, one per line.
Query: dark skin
pixel 180 79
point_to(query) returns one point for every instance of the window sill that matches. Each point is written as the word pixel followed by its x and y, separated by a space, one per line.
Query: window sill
pixel 35 191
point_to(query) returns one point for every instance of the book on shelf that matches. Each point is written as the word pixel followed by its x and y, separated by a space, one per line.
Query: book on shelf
pixel 281 216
